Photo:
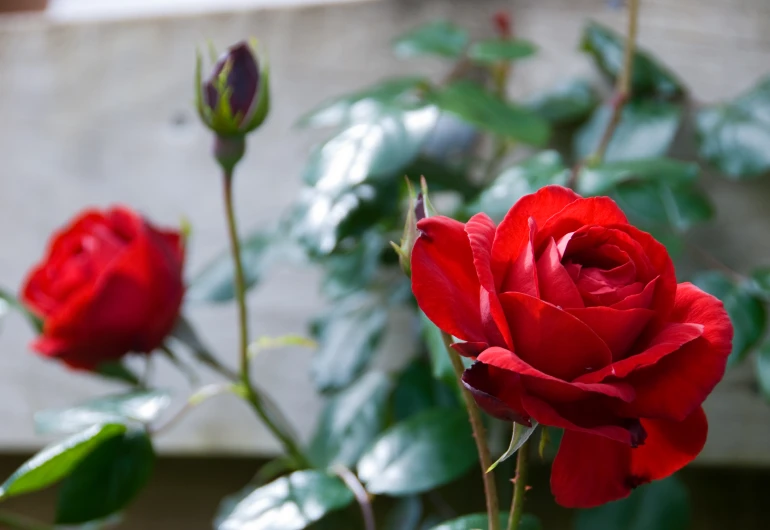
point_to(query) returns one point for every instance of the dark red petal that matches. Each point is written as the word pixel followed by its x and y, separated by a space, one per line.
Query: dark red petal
pixel 599 211
pixel 481 232
pixel 670 446
pixel 668 340
pixel 619 329
pixel 470 349
pixel 512 233
pixel 549 387
pixel 521 277
pixel 552 340
pixel 497 392
pixel 444 279
pixel 556 285
pixel 679 382
pixel 590 470
pixel 642 299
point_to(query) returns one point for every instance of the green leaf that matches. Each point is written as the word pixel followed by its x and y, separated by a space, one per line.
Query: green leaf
pixel 119 372
pixel 649 77
pixel 347 336
pixel 428 450
pixel 646 130
pixel 655 205
pixel 441 365
pixel 417 391
pixel 216 282
pixel 9 301
pixel 440 38
pixel 599 180
pixel 479 521
pixel 141 406
pixel 760 283
pixel 106 480
pixel 353 269
pixel 350 421
pixel 405 514
pixel 57 460
pixel 735 136
pixel 495 50
pixel 519 437
pixel 513 183
pixel 746 312
pixel 763 369
pixel 660 505
pixel 354 178
pixel 289 503
pixel 565 104
pixel 364 104
pixel 472 103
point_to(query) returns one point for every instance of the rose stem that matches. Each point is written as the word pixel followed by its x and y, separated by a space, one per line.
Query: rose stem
pixel 22 523
pixel 490 489
pixel 250 394
pixel 362 496
pixel 621 96
pixel 519 487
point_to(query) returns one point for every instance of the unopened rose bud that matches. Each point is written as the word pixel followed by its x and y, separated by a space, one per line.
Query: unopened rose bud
pixel 235 98
pixel 418 209
pixel 502 23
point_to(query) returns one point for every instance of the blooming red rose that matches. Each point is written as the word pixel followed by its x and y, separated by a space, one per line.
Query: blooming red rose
pixel 111 283
pixel 576 321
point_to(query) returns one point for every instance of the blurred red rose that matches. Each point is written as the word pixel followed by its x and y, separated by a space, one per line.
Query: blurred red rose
pixel 576 321
pixel 111 283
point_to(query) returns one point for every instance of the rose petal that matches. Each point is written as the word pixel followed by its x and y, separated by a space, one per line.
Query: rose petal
pixel 444 278
pixel 521 277
pixel 618 328
pixel 470 349
pixel 481 231
pixel 552 340
pixel 581 213
pixel 556 285
pixel 497 392
pixel 641 299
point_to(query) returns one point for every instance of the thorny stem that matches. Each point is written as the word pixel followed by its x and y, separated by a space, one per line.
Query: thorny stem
pixel 621 96
pixel 249 392
pixel 490 489
pixel 519 487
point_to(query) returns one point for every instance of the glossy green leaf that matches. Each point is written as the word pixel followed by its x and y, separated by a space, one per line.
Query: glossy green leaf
pixel 760 283
pixel 440 38
pixel 405 514
pixel 417 391
pixel 659 505
pixel 353 269
pixel 565 104
pixel 347 336
pixel 479 521
pixel 516 181
pixel 646 130
pixel 649 77
pixel 441 366
pixel 427 450
pixel 106 480
pixel 472 103
pixel 519 436
pixel 599 180
pixel 364 104
pixel 57 460
pixel 141 406
pixel 656 204
pixel 763 369
pixel 354 178
pixel 290 503
pixel 350 421
pixel 9 301
pixel 735 136
pixel 118 371
pixel 746 312
pixel 496 50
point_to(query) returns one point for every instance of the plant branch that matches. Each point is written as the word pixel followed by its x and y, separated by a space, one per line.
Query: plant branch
pixel 621 96
pixel 193 401
pixel 362 496
pixel 519 487
pixel 490 489
pixel 249 393
pixel 19 522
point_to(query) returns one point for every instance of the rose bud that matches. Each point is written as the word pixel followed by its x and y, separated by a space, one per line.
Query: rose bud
pixel 419 208
pixel 110 284
pixel 575 320
pixel 235 98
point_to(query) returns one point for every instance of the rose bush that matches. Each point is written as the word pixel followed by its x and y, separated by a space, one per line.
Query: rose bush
pixel 575 320
pixel 110 283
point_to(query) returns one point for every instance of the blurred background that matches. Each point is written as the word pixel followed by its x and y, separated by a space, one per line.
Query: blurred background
pixel 96 109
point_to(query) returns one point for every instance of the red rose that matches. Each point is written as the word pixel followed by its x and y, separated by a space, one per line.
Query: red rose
pixel 111 283
pixel 576 321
